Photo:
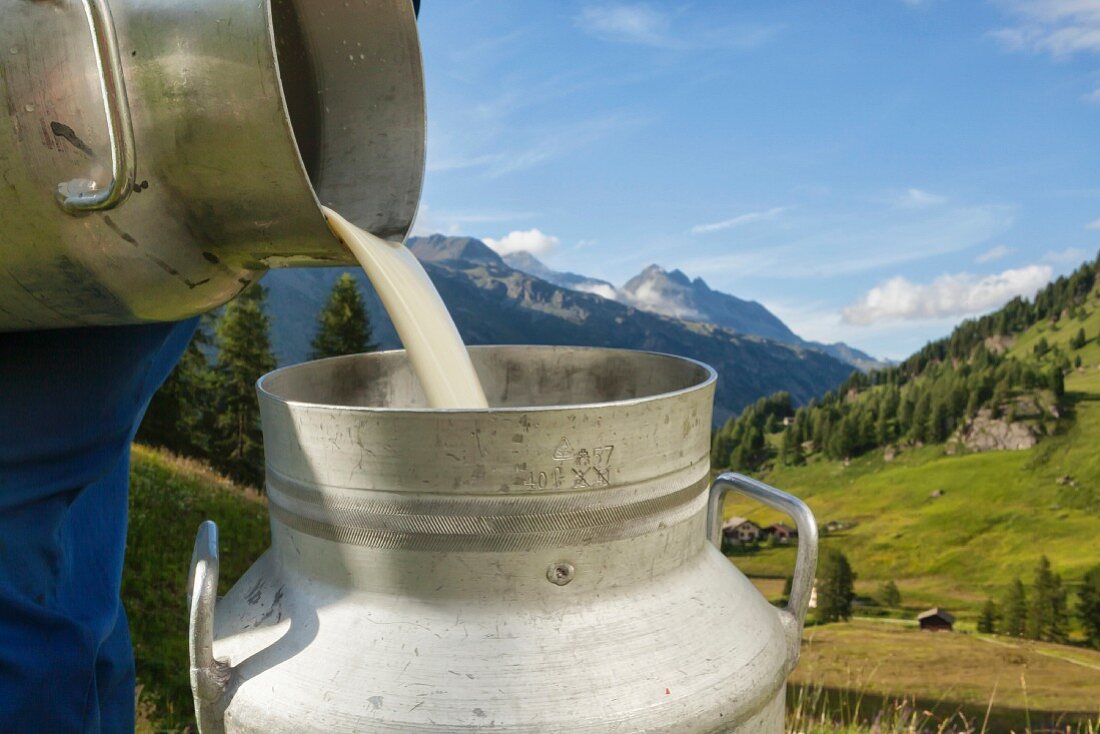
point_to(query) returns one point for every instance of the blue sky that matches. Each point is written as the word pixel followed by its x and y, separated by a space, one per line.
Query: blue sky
pixel 873 171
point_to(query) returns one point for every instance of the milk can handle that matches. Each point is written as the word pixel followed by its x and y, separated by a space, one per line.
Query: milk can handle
pixel 805 565
pixel 82 195
pixel 209 676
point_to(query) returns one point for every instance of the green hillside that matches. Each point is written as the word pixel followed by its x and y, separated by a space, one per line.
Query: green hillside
pixel 951 526
pixel 169 497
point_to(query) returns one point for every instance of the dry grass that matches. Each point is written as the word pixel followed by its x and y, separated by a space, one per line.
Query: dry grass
pixel 951 673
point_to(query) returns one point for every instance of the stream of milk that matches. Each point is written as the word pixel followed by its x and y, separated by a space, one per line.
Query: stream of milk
pixel 433 344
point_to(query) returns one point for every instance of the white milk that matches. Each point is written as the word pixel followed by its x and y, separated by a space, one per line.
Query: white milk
pixel 431 340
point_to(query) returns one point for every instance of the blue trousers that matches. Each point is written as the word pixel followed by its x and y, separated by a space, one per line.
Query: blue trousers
pixel 70 403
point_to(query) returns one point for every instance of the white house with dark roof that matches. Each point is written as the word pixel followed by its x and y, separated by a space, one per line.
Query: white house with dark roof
pixel 741 530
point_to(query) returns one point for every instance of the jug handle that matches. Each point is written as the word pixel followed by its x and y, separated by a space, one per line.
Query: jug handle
pixel 83 195
pixel 802 584
pixel 209 676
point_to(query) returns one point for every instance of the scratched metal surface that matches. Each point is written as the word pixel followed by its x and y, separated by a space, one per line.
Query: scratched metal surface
pixel 522 569
pixel 226 186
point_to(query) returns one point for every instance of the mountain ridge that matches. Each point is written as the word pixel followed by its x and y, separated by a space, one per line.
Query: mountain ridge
pixel 493 303
pixel 673 293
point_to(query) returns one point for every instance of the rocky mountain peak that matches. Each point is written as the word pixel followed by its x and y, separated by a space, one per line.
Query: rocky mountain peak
pixel 441 248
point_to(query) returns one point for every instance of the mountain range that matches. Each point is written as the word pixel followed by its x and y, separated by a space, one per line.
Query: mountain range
pixel 493 302
pixel 672 293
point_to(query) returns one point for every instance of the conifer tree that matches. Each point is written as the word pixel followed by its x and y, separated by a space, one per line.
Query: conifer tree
pixel 987 622
pixel 889 594
pixel 343 326
pixel 835 587
pixel 1056 381
pixel 1078 340
pixel 1047 615
pixel 179 417
pixel 1015 610
pixel 244 355
pixel 937 424
pixel 922 418
pixel 1088 606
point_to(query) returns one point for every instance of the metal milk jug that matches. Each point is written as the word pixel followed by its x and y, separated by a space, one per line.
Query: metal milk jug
pixel 158 159
pixel 544 566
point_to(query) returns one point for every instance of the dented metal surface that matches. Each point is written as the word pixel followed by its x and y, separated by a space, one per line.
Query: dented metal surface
pixel 154 166
pixel 541 566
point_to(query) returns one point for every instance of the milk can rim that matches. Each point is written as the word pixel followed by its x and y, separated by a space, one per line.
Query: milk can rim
pixel 710 372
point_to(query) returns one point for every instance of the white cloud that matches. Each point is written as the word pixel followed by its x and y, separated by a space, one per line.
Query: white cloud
pixel 649 298
pixel 430 221
pixel 1057 27
pixel 838 244
pixel 1095 224
pixel 555 141
pixel 950 295
pixel 993 254
pixel 530 240
pixel 739 220
pixel 821 320
pixel 647 24
pixel 1068 256
pixel 627 23
pixel 918 199
pixel 600 289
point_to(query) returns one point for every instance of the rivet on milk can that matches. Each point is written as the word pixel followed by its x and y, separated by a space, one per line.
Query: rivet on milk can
pixel 406 590
pixel 160 158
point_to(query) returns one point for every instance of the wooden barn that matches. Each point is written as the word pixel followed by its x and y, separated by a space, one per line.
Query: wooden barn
pixel 782 533
pixel 936 619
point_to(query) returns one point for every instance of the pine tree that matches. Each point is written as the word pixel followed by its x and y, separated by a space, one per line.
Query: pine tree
pixel 834 587
pixel 987 622
pixel 889 594
pixel 1047 617
pixel 791 451
pixel 343 326
pixel 1056 381
pixel 244 355
pixel 922 418
pixel 937 424
pixel 1059 620
pixel 1078 340
pixel 1015 610
pixel 178 417
pixel 1088 606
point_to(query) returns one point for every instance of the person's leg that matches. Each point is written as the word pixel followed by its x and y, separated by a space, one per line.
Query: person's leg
pixel 70 402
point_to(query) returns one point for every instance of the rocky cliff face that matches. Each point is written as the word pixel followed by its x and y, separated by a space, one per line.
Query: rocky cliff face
pixel 986 433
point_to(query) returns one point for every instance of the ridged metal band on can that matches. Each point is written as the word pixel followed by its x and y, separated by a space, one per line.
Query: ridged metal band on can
pixel 488 523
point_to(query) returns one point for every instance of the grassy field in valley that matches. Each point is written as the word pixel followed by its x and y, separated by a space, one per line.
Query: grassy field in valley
pixel 945 673
pixel 995 515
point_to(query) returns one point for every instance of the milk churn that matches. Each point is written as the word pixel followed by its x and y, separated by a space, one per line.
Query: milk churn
pixel 158 159
pixel 544 566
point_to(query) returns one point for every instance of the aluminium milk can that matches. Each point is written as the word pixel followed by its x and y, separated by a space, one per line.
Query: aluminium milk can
pixel 544 566
pixel 158 159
